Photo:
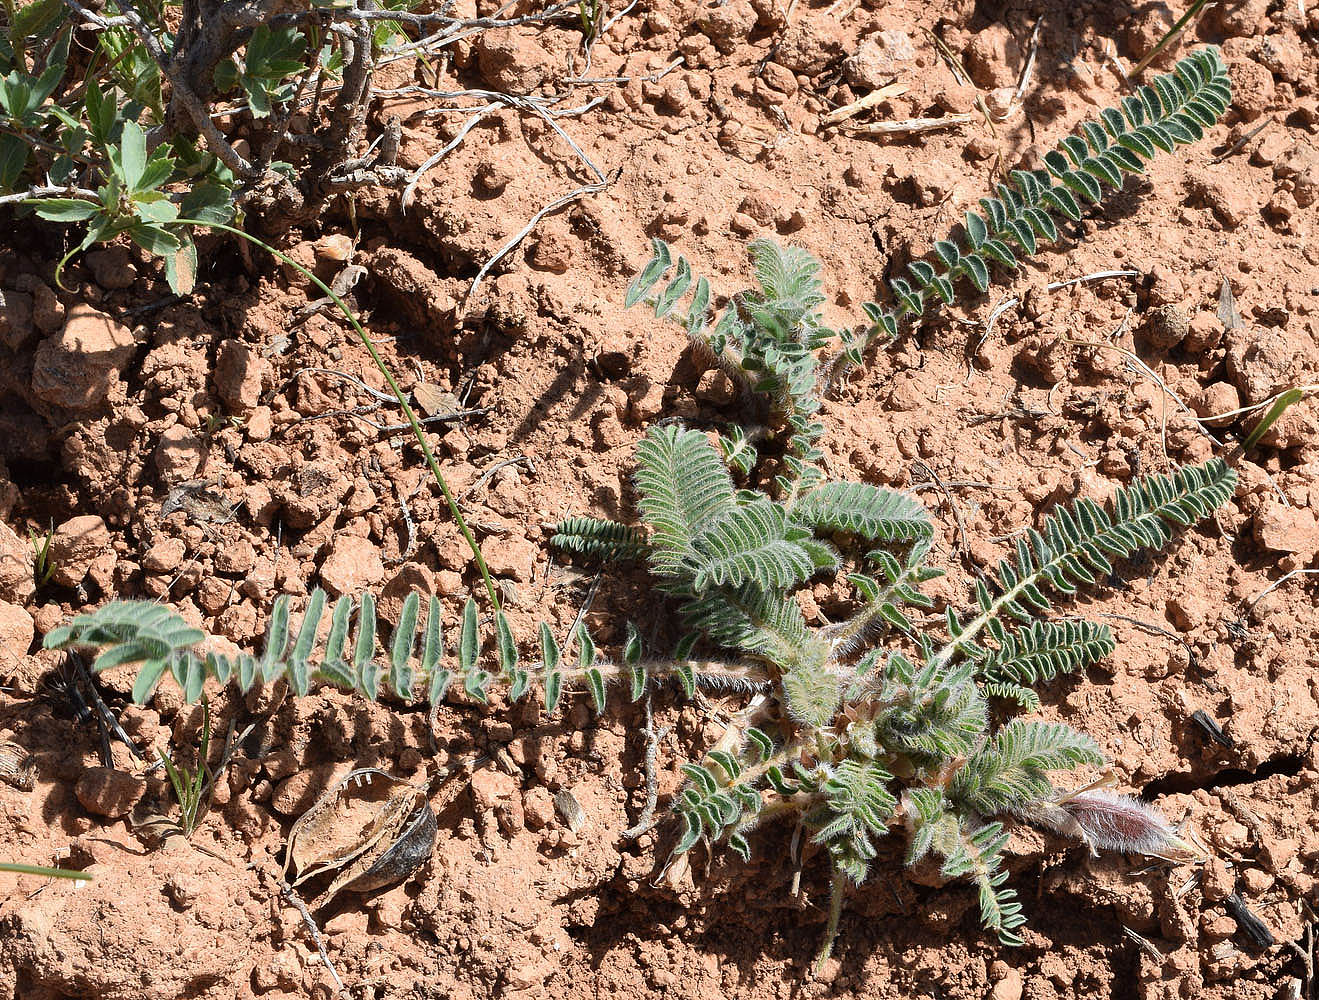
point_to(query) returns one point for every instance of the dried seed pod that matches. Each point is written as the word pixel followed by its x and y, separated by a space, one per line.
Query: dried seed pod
pixel 1250 925
pixel 17 766
pixel 370 828
pixel 405 855
pixel 570 810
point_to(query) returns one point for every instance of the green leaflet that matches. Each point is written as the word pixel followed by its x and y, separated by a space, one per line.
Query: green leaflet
pixel 1174 110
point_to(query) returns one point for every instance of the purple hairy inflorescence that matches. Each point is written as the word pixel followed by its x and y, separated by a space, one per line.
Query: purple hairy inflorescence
pixel 1115 822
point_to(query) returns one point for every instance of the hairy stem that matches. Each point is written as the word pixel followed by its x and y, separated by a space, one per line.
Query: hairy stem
pixel 836 885
pixel 844 636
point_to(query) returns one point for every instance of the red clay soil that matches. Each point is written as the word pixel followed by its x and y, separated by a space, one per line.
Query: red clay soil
pixel 197 451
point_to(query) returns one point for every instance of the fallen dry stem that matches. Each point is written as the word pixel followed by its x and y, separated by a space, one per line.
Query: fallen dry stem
pixel 869 101
pixel 286 892
pixel 1247 607
pixel 1240 143
pixel 909 126
pixel 1136 360
pixel 522 233
pixel 646 821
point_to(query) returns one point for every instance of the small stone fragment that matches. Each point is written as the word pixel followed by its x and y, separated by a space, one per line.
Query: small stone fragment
pixel 810 46
pixel 491 177
pixel 878 58
pixel 16 324
pixel 1009 987
pixel 552 252
pixel 164 556
pixel 179 454
pixel 238 557
pixel 1166 326
pixel 538 807
pixel 1292 530
pixel 993 58
pixel 1217 398
pixel 48 312
pixel 16 633
pixel 726 24
pixel 353 565
pixel 1229 202
pixel 316 489
pixel 512 60
pixel 74 546
pixel 112 267
pixel 17 555
pixel 491 788
pixel 716 388
pixel 240 373
pixel 105 791
pixel 1252 89
pixel 511 556
pixel 1259 361
pixel 77 367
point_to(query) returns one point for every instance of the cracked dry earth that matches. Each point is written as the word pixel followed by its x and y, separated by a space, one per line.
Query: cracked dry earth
pixel 199 452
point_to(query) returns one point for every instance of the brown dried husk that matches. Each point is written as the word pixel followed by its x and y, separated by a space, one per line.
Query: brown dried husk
pixel 371 828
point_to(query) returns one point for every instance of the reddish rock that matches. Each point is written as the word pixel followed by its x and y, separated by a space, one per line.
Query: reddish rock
pixel 164 556
pixel 352 565
pixel 512 60
pixel 410 578
pixel 494 790
pixel 1218 397
pixel 1145 29
pixel 492 787
pixel 16 631
pixel 77 367
pixel 240 373
pixel 299 792
pixel 74 546
pixel 1259 361
pixel 422 297
pixel 553 252
pixel 1230 202
pixel 213 594
pixel 993 58
pixel 1300 164
pixel 1242 18
pixel 104 791
pixel 810 45
pixel 48 312
pixel 1009 986
pixel 1252 89
pixel 878 58
pixel 1287 529
pixel 315 491
pixel 236 557
pixel 726 24
pixel 112 267
pixel 16 558
pixel 538 807
pixel 179 454
pixel 511 556
pixel 15 318
pixel 491 177
pixel 1166 326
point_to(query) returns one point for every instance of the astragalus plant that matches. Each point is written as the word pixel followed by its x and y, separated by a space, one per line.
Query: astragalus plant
pixel 878 724
pixel 889 722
